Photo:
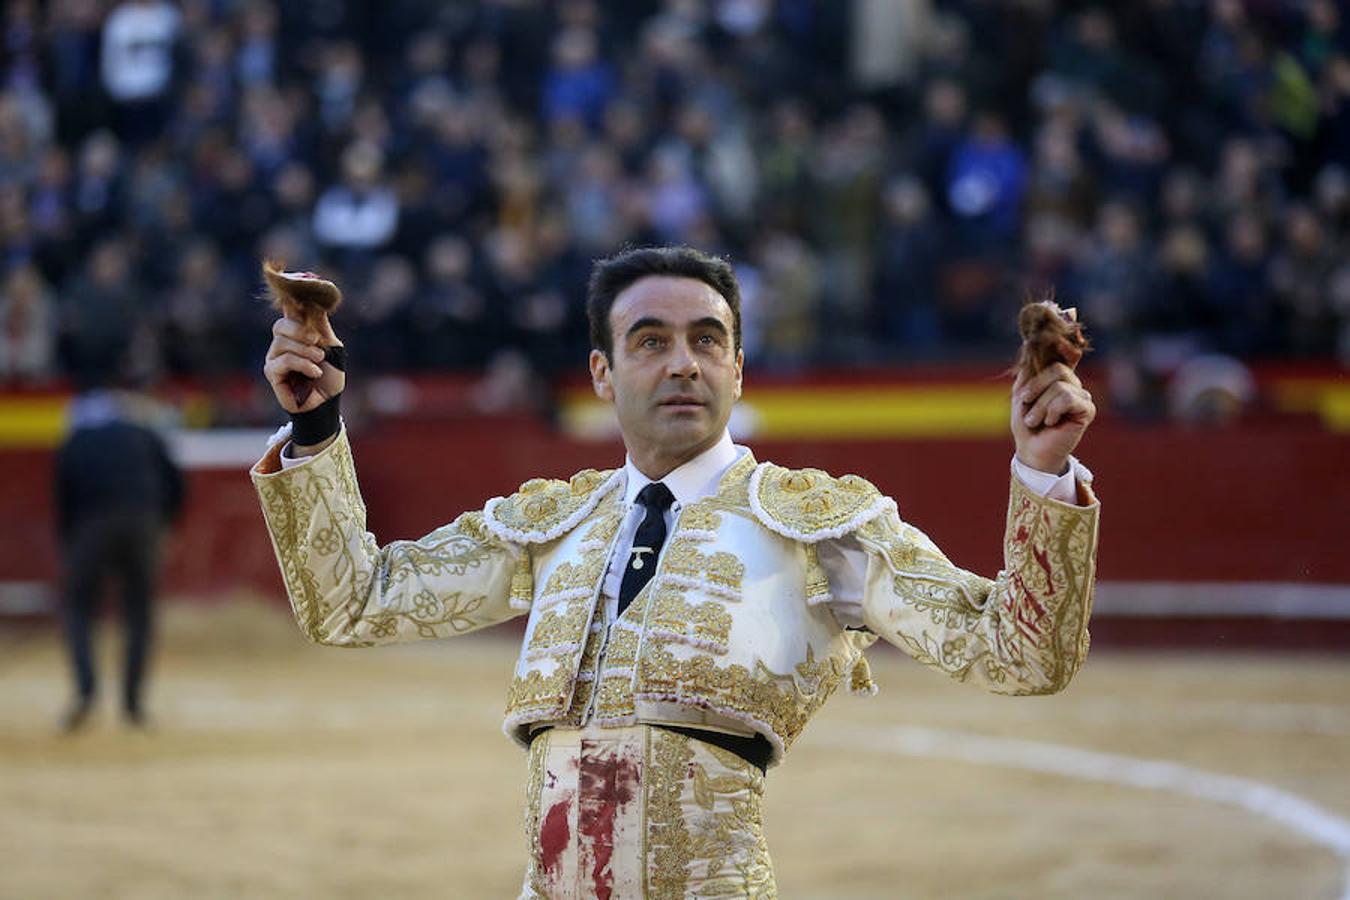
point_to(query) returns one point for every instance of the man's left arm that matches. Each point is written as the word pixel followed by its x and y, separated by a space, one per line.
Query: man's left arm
pixel 1024 631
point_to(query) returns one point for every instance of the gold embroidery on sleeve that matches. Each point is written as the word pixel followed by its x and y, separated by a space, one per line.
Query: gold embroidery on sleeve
pixel 317 520
pixel 1024 632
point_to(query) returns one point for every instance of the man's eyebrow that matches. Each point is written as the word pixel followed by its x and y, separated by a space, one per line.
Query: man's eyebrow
pixel 711 322
pixel 644 322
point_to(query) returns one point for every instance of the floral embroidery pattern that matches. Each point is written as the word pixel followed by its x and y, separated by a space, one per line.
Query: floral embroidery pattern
pixel 1024 632
pixel 347 590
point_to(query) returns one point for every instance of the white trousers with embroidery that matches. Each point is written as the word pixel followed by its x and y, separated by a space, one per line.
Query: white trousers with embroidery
pixel 642 812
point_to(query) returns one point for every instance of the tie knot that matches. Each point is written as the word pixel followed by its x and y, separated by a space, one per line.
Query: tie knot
pixel 656 496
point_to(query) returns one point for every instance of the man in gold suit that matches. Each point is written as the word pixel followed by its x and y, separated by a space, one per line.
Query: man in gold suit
pixel 689 611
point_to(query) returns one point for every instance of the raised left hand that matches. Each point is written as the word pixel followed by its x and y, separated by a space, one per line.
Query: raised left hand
pixel 1050 412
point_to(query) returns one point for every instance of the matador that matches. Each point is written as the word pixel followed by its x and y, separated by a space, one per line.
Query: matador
pixel 688 611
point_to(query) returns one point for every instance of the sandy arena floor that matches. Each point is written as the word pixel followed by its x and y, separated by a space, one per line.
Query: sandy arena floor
pixel 277 769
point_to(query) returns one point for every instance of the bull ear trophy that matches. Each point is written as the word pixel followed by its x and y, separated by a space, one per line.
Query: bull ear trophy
pixel 304 297
pixel 1049 335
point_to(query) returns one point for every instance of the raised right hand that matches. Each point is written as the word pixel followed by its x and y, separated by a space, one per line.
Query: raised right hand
pixel 298 347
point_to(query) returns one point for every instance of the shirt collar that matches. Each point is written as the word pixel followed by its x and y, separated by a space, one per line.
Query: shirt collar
pixel 691 481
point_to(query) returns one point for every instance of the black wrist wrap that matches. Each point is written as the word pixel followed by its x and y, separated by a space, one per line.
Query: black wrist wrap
pixel 336 356
pixel 324 420
pixel 317 425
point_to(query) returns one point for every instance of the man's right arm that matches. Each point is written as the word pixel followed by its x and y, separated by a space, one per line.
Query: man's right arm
pixel 346 589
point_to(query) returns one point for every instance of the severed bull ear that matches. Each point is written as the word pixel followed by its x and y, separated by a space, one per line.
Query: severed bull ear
pixel 1049 335
pixel 305 297
pixel 300 295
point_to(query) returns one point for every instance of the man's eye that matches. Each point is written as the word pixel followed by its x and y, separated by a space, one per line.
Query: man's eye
pixel 650 340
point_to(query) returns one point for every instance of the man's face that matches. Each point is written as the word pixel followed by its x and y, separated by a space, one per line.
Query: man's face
pixel 675 372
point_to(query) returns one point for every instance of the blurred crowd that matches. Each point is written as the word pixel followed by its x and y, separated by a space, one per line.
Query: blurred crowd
pixel 891 178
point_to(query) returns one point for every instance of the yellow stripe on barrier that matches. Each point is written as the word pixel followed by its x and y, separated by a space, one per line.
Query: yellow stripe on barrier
pixel 1329 401
pixel 1335 409
pixel 28 422
pixel 837 412
pixel 881 412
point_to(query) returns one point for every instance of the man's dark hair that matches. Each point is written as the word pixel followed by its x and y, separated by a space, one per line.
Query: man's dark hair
pixel 613 275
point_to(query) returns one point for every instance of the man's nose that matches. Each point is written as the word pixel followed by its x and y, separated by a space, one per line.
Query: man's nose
pixel 682 363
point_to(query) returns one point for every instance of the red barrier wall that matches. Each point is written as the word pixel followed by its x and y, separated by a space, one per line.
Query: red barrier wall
pixel 1263 501
pixel 1257 503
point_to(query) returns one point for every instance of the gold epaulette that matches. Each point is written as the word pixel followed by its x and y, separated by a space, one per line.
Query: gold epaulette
pixel 545 509
pixel 810 505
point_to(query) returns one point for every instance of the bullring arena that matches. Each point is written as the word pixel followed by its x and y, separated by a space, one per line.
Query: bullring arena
pixel 277 769
pixel 1202 751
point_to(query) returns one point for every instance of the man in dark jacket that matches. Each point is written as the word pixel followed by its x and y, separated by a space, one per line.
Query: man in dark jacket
pixel 117 490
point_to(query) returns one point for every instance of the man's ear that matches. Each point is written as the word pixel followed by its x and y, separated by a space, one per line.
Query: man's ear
pixel 740 366
pixel 600 376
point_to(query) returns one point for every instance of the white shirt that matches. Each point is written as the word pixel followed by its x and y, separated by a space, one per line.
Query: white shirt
pixel 689 482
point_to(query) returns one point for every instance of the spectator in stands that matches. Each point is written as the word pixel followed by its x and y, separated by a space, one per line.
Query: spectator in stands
pixel 907 268
pixel 257 57
pixel 233 204
pixel 986 184
pixel 72 72
pixel 100 308
pixel 49 210
pixel 785 160
pixel 786 310
pixel 1335 123
pixel 1300 274
pixel 848 175
pixel 453 320
pixel 358 217
pixel 1115 278
pixel 1059 182
pixel 1238 289
pixel 1177 305
pixel 20 142
pixel 1132 152
pixel 341 77
pixel 97 195
pixel 728 124
pixel 27 328
pixel 201 314
pixel 936 138
pixel 579 84
pixel 383 315
pixel 536 309
pixel 140 43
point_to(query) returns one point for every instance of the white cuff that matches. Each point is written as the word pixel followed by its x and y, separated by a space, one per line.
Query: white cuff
pixel 1057 487
pixel 290 462
pixel 283 436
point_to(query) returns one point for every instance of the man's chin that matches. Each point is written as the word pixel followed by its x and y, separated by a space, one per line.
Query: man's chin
pixel 687 435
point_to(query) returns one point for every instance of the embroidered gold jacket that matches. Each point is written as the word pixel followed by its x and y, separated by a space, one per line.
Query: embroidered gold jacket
pixel 735 631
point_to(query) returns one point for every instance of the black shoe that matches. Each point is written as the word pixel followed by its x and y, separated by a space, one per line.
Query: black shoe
pixel 77 717
pixel 136 718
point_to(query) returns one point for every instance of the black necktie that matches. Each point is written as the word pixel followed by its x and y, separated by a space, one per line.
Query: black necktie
pixel 651 534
